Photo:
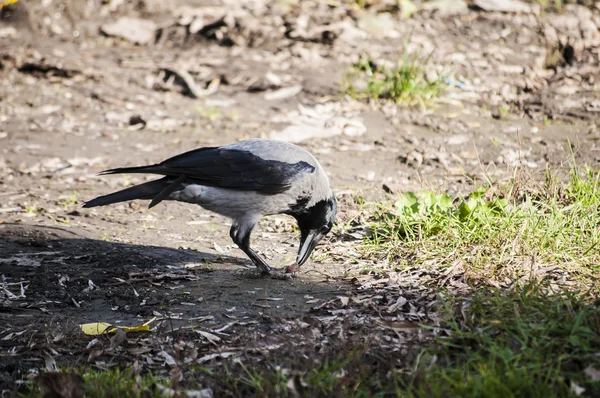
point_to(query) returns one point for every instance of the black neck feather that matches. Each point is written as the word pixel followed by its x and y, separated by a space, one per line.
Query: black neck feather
pixel 311 217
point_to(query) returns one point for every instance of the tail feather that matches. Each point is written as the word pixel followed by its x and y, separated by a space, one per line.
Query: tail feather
pixel 168 190
pixel 147 191
pixel 137 169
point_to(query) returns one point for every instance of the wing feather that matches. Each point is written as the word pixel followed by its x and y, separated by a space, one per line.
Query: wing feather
pixel 227 168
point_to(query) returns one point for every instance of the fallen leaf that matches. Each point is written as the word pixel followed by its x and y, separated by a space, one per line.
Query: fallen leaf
pixel 400 326
pixel 118 339
pixel 98 328
pixel 216 355
pixel 283 93
pixel 50 362
pixel 209 336
pixel 168 358
pixel 512 6
pixel 205 393
pixel 344 300
pixel 577 389
pixel 94 329
pixel 399 303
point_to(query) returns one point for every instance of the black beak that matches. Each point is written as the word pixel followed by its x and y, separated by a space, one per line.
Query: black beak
pixel 308 241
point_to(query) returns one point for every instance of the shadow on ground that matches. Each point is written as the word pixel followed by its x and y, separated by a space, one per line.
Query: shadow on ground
pixel 57 278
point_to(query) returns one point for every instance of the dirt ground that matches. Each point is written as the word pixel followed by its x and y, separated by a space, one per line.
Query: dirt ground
pixel 76 98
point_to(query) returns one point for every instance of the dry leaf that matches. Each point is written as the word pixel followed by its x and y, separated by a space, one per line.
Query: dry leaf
pixel 345 300
pixel 209 336
pixel 118 339
pixel 169 360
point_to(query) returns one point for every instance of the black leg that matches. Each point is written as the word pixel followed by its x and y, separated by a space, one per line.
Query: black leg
pixel 241 237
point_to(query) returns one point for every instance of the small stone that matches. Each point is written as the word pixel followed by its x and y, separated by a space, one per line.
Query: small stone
pixel 135 30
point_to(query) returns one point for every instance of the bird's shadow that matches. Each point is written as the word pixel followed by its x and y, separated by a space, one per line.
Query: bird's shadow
pixel 46 245
pixel 88 278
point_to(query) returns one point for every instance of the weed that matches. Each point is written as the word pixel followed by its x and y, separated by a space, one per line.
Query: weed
pixel 348 374
pixel 405 84
pixel 69 201
pixel 31 210
pixel 209 113
pixel 234 115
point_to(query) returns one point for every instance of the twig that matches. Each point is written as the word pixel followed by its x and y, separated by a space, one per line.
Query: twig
pixel 190 84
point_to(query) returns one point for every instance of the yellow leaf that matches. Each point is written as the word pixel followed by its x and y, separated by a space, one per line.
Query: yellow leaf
pixel 97 328
pixel 94 329
pixel 4 3
pixel 142 328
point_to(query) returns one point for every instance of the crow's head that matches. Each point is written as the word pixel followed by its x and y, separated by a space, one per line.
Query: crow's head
pixel 315 222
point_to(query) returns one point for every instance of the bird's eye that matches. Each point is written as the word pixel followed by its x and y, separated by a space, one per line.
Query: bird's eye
pixel 326 228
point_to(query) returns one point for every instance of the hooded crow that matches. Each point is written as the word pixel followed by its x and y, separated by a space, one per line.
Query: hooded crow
pixel 243 181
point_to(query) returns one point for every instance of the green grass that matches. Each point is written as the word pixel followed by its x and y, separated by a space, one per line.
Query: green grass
pixel 495 234
pixel 348 374
pixel 209 113
pixel 112 383
pixel 406 83
pixel 68 201
pixel 525 342
pixel 344 375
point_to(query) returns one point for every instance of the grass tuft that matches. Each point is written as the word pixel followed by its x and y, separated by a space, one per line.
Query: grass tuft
pixel 408 83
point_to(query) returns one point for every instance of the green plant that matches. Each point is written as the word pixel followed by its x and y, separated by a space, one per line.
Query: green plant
pixel 494 235
pixel 69 201
pixel 113 383
pixel 210 113
pixel 406 83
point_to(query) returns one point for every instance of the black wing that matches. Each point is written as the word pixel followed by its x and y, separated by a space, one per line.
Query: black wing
pixel 227 168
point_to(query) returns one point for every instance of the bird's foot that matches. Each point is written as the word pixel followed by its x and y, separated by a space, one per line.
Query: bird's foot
pixel 282 275
pixel 251 273
pixel 273 273
pixel 292 269
pixel 285 273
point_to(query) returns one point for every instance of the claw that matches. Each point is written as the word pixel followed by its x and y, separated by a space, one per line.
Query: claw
pixel 282 276
pixel 291 269
pixel 279 274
